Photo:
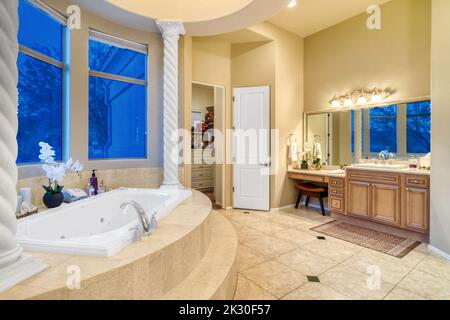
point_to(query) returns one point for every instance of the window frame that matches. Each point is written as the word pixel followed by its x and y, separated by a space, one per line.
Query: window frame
pixel 402 117
pixel 122 43
pixel 64 65
pixel 423 115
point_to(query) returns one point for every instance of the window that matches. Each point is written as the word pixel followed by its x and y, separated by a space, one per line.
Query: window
pixel 41 69
pixel 117 98
pixel 419 127
pixel 383 129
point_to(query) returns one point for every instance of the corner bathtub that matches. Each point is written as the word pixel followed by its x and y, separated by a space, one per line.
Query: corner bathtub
pixel 95 226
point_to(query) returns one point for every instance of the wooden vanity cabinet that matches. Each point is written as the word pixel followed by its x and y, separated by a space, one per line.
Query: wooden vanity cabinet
pixel 397 200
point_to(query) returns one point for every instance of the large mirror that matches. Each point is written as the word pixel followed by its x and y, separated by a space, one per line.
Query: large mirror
pixel 341 138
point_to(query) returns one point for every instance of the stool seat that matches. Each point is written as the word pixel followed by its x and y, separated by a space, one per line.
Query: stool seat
pixel 308 187
pixel 311 190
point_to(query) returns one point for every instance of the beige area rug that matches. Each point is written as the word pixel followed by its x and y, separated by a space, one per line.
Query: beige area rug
pixel 368 238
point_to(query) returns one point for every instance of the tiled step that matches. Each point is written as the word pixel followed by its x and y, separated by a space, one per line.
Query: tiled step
pixel 215 276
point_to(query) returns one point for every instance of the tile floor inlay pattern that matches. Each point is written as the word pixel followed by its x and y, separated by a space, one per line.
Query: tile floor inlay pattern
pixel 278 252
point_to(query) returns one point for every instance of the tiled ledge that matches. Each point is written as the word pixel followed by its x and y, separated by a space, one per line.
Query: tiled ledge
pixel 145 270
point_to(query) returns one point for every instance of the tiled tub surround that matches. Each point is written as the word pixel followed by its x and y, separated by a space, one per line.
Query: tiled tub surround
pixel 97 226
pixel 149 269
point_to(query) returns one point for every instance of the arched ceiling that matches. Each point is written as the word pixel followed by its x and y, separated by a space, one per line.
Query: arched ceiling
pixel 200 17
pixel 186 11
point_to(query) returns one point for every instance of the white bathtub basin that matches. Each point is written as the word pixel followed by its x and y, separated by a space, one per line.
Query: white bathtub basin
pixel 95 226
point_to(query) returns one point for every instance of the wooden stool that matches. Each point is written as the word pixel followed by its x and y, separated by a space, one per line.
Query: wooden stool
pixel 311 190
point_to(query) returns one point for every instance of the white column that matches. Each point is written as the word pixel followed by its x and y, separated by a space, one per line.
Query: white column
pixel 171 31
pixel 14 265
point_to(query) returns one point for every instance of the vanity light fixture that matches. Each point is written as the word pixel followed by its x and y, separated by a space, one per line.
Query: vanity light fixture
pixel 292 3
pixel 364 97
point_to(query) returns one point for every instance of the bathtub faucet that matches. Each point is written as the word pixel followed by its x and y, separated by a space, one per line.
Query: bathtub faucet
pixel 145 227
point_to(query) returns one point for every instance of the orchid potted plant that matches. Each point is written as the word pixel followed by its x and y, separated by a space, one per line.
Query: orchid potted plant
pixel 55 172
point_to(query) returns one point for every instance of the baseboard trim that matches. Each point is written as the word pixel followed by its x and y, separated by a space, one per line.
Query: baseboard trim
pixel 282 208
pixel 439 252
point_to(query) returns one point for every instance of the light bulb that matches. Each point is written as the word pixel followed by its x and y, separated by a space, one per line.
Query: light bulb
pixel 335 103
pixel 348 101
pixel 376 96
pixel 292 3
pixel 362 99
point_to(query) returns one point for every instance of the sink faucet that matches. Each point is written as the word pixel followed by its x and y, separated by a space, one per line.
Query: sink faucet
pixel 145 227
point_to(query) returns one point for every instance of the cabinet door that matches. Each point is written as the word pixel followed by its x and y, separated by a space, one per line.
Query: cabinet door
pixel 386 205
pixel 417 209
pixel 359 199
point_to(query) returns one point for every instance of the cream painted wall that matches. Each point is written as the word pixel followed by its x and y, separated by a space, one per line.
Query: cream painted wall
pixel 349 56
pixel 252 65
pixel 440 175
pixel 278 63
pixel 288 107
pixel 79 93
pixel 211 64
pixel 185 100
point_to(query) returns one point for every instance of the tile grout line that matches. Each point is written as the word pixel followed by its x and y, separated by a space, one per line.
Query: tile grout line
pixel 259 286
pixel 403 278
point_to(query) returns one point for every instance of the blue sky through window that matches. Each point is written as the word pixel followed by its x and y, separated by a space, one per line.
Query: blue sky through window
pixel 419 127
pixel 40 32
pixel 117 109
pixel 40 85
pixel 383 129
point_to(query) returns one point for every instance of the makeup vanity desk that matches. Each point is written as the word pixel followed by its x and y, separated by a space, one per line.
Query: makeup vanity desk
pixel 318 176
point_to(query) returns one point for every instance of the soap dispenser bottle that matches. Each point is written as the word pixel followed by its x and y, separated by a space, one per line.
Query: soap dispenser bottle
pixel 94 182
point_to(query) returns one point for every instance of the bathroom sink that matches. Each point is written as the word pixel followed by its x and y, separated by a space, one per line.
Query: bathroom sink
pixel 380 166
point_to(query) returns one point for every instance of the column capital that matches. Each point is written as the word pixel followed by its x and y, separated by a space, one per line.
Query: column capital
pixel 171 28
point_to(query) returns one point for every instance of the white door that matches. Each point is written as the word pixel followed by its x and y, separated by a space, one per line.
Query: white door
pixel 251 151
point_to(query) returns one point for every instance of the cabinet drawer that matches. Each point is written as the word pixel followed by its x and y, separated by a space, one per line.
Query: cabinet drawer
pixel 417 181
pixel 202 184
pixel 202 174
pixel 371 176
pixel 336 192
pixel 338 183
pixel 336 204
pixel 198 167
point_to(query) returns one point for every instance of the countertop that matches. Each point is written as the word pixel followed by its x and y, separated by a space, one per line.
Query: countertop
pixel 323 172
pixel 400 171
pixel 331 173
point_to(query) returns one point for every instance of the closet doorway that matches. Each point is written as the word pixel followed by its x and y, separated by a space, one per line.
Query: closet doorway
pixel 208 142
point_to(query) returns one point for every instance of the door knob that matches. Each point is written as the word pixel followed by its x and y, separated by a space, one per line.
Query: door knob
pixel 265 164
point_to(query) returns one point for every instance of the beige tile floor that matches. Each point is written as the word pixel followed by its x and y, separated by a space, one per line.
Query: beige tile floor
pixel 277 251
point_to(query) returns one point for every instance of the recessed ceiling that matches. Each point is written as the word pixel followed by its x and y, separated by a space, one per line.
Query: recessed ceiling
pixel 182 10
pixel 200 17
pixel 311 16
